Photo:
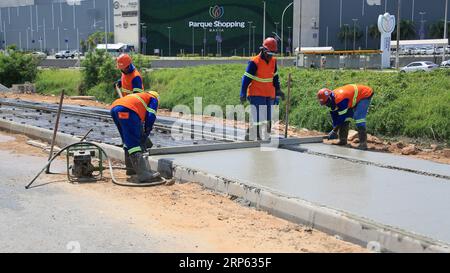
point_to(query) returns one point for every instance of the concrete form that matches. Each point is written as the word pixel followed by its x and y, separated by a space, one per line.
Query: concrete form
pixel 335 220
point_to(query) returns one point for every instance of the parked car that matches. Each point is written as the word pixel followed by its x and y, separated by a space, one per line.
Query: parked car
pixel 445 64
pixel 419 66
pixel 77 53
pixel 39 55
pixel 65 54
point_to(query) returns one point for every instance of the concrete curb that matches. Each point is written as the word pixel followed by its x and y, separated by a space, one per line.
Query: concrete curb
pixel 350 228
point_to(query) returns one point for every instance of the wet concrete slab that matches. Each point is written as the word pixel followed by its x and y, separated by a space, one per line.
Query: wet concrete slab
pixel 412 202
pixel 381 158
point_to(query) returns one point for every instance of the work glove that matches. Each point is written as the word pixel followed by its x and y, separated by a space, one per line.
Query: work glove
pixel 243 100
pixel 280 94
pixel 332 135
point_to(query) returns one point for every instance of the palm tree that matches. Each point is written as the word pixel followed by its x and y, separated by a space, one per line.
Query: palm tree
pixel 347 32
pixel 436 30
pixel 407 30
pixel 374 32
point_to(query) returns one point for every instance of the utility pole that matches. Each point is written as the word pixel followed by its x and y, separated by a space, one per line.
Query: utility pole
pixel 354 33
pixel 276 27
pixel 397 53
pixel 346 28
pixel 170 49
pixel 264 22
pixel 204 42
pixel 253 48
pixel 445 29
pixel 250 38
pixel 193 41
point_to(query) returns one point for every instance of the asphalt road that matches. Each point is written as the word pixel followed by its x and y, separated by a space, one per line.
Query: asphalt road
pixel 52 218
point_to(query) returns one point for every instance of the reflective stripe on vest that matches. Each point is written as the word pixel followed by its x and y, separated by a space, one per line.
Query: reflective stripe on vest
pixel 267 80
pixel 150 110
pixel 355 96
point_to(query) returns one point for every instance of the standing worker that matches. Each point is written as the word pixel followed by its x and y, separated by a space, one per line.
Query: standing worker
pixel 134 116
pixel 261 86
pixel 347 102
pixel 131 80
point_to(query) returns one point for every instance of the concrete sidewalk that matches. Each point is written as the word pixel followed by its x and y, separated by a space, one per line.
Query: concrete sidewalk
pixel 415 203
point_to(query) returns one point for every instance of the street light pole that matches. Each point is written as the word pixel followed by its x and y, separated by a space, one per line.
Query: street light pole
pixel 445 29
pixel 253 48
pixel 170 49
pixel 276 27
pixel 345 35
pixel 264 21
pixel 282 26
pixel 397 53
pixel 204 42
pixel 354 33
pixel 250 38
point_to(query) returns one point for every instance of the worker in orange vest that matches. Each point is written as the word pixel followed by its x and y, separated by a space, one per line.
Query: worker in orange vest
pixel 348 102
pixel 261 87
pixel 134 116
pixel 131 80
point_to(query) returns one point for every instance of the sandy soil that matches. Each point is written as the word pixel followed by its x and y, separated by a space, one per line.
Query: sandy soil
pixel 437 152
pixel 201 215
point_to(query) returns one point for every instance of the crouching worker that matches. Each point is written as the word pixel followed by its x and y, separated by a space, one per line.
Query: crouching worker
pixel 347 102
pixel 134 116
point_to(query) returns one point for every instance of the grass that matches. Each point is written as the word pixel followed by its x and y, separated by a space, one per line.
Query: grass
pixel 52 81
pixel 415 105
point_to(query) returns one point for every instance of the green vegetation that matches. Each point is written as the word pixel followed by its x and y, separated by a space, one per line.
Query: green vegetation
pixel 17 67
pixel 413 104
pixel 52 81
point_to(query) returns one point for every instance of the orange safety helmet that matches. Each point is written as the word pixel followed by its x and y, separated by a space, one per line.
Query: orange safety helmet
pixel 271 45
pixel 323 95
pixel 123 61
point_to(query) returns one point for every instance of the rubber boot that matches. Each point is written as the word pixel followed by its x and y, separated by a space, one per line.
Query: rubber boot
pixel 362 135
pixel 343 134
pixel 128 165
pixel 144 174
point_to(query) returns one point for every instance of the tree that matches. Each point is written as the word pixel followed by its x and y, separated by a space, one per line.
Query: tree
pixel 346 33
pixel 407 30
pixel 374 32
pixel 98 38
pixel 17 67
pixel 436 30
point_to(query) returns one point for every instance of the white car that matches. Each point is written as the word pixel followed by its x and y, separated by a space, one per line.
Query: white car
pixel 445 63
pixel 39 55
pixel 65 54
pixel 419 66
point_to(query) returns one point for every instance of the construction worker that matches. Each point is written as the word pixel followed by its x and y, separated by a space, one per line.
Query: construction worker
pixel 131 80
pixel 261 87
pixel 134 116
pixel 347 102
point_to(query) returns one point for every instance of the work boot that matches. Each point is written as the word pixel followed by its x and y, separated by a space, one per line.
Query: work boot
pixel 362 135
pixel 128 165
pixel 144 174
pixel 343 134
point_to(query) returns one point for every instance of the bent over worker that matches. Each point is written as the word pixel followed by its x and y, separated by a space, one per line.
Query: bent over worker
pixel 261 86
pixel 347 102
pixel 131 80
pixel 134 116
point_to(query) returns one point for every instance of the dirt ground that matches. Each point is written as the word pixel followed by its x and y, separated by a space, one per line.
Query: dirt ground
pixel 437 152
pixel 194 212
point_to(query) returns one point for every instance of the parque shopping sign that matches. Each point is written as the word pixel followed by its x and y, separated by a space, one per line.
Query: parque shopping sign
pixel 216 12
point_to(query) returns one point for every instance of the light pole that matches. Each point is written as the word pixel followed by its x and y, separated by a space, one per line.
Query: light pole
pixel 345 35
pixel 445 29
pixel 170 49
pixel 264 21
pixel 354 33
pixel 143 34
pixel 276 27
pixel 204 42
pixel 422 25
pixel 282 26
pixel 250 38
pixel 193 41
pixel 397 53
pixel 253 48
pixel 289 40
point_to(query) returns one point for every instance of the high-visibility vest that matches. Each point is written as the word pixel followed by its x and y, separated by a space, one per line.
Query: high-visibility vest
pixel 262 82
pixel 353 92
pixel 127 83
pixel 138 103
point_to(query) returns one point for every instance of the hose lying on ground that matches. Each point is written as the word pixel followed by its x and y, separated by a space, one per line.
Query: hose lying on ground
pixel 114 180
